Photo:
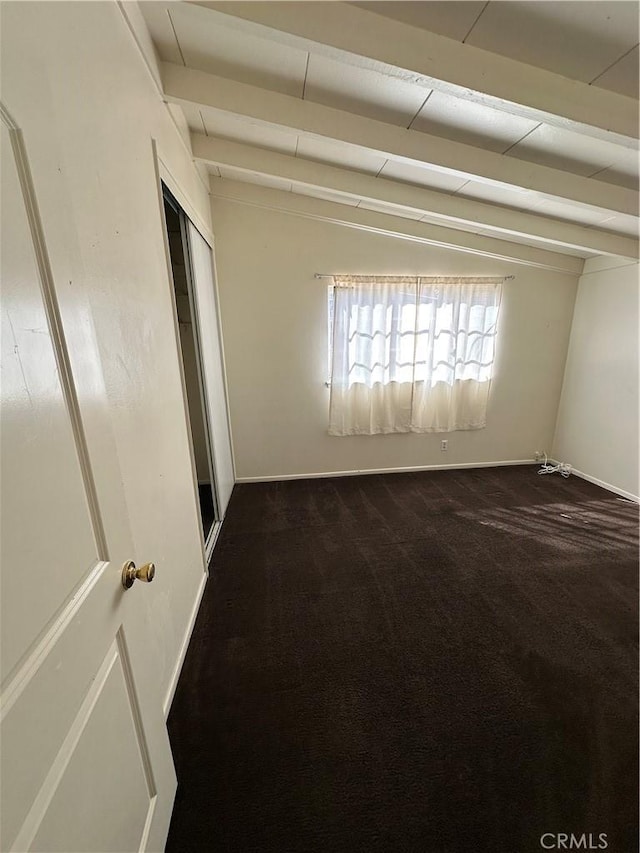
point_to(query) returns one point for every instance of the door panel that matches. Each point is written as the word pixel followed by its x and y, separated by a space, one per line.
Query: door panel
pixel 41 701
pixel 102 761
pixel 211 346
pixel 37 428
pixel 86 763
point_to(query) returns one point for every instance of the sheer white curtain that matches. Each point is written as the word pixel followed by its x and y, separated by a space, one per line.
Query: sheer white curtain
pixel 412 354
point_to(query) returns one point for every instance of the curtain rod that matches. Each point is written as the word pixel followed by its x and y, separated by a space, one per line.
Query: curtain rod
pixel 337 275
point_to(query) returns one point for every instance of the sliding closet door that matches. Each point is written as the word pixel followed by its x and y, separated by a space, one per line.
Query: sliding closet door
pixel 204 287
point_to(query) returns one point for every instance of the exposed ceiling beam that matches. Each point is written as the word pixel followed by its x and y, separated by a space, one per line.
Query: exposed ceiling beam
pixel 185 85
pixel 448 208
pixel 364 38
pixel 392 226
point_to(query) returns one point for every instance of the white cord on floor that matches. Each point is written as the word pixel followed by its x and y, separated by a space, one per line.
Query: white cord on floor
pixel 561 468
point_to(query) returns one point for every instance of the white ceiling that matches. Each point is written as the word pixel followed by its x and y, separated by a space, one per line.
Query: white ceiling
pixel 585 41
pixel 592 42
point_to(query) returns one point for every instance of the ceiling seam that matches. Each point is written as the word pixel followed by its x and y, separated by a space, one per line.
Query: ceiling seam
pixel 603 169
pixel 518 141
pixel 615 62
pixel 204 126
pixel 420 108
pixel 175 35
pixel 481 13
pixel 455 192
pixel 306 71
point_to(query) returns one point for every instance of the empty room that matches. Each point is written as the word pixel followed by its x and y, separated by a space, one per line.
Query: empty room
pixel 319 426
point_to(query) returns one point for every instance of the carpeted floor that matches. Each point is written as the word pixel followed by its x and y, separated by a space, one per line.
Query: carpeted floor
pixel 438 662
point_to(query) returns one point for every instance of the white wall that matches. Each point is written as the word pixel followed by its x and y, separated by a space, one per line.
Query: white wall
pixel 275 332
pixel 597 429
pixel 77 86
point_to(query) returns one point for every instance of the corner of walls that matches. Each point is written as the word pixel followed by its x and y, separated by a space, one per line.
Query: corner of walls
pixel 597 422
pixel 554 436
pixel 137 27
pixel 606 262
pixel 146 51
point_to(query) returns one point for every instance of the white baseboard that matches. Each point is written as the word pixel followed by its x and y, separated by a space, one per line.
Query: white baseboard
pixel 574 472
pixel 355 473
pixel 166 705
pixel 606 486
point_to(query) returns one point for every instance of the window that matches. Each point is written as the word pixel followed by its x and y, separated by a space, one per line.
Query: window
pixel 411 354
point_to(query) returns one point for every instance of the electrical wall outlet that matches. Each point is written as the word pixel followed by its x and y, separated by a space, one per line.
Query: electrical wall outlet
pixel 538 455
pixel 444 444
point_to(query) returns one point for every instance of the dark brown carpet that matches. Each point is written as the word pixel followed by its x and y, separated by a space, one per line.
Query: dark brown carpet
pixel 441 661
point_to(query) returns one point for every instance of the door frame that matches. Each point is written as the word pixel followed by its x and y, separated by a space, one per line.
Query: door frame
pixel 164 176
pixel 169 199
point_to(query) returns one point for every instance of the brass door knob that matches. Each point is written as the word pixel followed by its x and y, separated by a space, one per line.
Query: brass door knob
pixel 145 573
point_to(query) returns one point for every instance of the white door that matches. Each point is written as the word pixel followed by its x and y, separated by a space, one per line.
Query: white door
pixel 204 285
pixel 86 764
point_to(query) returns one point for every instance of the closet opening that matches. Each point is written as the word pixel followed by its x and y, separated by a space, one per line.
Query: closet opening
pixel 186 308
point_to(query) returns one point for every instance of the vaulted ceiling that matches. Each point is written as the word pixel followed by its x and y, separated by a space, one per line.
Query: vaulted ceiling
pixel 515 121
